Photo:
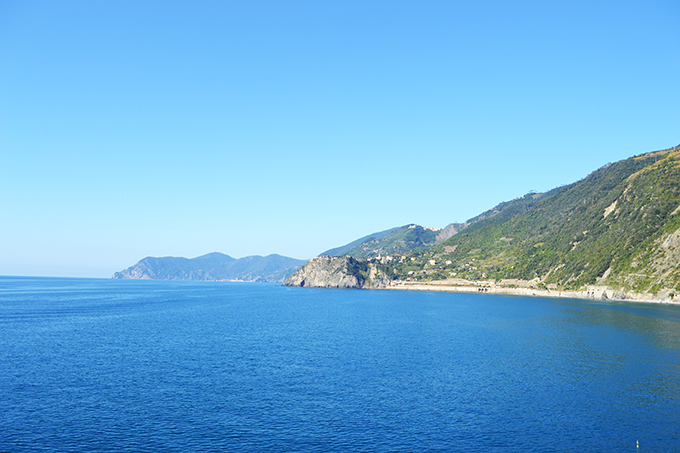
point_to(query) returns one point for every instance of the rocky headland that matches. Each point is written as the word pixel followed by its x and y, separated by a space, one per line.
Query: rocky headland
pixel 341 272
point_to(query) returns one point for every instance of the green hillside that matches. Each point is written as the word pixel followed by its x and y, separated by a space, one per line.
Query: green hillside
pixel 618 228
pixel 405 239
pixel 349 248
pixel 605 228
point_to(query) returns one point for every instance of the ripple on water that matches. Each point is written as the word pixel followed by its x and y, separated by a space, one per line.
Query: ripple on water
pixel 99 365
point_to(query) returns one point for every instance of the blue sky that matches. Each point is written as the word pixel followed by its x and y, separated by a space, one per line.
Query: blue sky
pixel 132 129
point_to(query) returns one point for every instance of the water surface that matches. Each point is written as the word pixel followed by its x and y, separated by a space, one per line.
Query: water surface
pixel 116 365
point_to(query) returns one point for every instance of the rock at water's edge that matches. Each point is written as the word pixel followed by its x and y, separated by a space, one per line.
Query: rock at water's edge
pixel 328 272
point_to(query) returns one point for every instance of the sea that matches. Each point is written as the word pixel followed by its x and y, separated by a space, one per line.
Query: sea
pixel 97 365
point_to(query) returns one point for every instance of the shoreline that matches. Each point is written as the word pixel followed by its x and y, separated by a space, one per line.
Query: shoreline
pixel 593 292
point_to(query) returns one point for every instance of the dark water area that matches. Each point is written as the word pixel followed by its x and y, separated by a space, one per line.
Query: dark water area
pixel 149 366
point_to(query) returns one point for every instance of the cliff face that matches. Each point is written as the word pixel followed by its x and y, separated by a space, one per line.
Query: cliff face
pixel 341 272
pixel 450 231
pixel 328 272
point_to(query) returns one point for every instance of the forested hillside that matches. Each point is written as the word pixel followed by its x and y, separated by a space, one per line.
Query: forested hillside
pixel 619 227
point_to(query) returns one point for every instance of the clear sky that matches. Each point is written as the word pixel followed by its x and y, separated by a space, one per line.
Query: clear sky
pixel 132 129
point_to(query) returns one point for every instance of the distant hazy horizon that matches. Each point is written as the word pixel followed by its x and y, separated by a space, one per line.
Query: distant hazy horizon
pixel 134 129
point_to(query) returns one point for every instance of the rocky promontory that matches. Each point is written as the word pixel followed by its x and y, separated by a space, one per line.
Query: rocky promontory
pixel 338 272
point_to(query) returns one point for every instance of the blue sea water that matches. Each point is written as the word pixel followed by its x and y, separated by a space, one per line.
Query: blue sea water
pixel 157 366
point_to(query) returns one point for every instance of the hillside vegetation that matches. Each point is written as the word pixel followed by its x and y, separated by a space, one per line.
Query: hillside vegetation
pixel 607 226
pixel 354 246
pixel 619 227
pixel 405 239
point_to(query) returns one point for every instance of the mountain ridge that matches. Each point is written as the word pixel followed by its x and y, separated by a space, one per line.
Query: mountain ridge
pixel 344 249
pixel 404 239
pixel 213 266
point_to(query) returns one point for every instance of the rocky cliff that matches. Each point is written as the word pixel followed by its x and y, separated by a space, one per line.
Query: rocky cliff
pixel 340 272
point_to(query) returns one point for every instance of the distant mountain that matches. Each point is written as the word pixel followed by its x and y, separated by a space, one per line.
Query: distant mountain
pixel 616 232
pixel 213 266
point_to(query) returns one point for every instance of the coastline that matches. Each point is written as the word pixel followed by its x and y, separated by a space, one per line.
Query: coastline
pixel 592 292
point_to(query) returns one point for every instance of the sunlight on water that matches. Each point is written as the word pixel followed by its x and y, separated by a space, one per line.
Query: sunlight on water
pixel 102 365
